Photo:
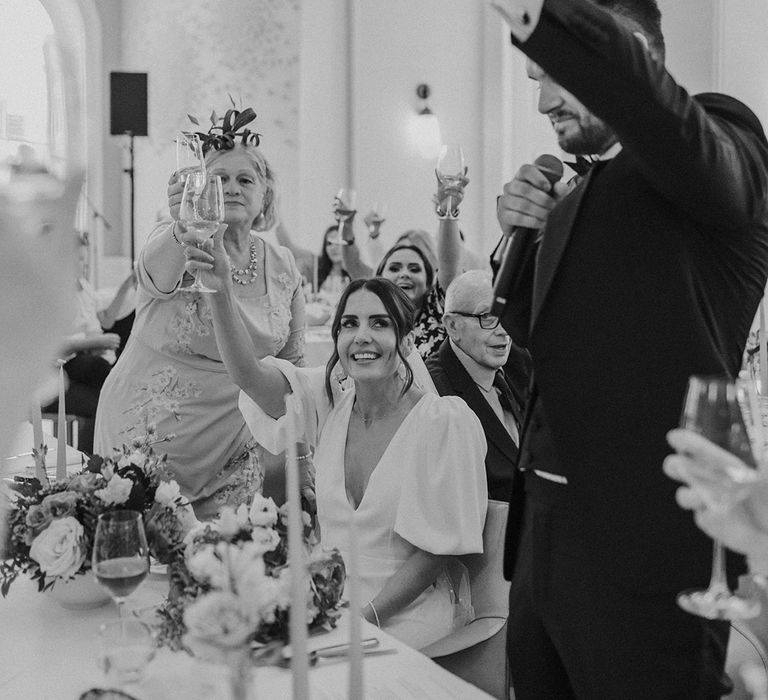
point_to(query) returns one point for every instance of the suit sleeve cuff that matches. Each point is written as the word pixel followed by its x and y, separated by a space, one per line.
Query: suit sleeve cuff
pixel 522 16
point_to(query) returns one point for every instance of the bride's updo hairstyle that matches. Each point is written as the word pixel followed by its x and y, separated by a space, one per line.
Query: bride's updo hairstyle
pixel 400 310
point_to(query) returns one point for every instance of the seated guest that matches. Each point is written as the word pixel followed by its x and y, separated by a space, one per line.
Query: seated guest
pixel 409 265
pixel 470 363
pixel 332 278
pixel 89 353
pixel 702 465
pixel 407 464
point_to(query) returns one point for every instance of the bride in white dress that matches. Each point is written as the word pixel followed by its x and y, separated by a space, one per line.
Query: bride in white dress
pixel 409 463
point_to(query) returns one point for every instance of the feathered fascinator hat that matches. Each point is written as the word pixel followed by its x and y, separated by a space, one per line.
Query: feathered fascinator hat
pixel 225 132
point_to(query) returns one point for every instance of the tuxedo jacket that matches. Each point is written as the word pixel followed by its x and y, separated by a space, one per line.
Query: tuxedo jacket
pixel 452 379
pixel 649 271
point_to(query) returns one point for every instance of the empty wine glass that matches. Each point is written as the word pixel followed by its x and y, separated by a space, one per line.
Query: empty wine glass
pixel 450 168
pixel 189 155
pixel 120 553
pixel 201 212
pixel 712 408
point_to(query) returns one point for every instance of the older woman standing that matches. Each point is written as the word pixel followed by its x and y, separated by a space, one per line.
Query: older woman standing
pixel 171 374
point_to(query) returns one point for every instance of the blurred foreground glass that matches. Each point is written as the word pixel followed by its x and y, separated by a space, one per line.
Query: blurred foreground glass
pixel 713 408
pixel 39 191
pixel 127 648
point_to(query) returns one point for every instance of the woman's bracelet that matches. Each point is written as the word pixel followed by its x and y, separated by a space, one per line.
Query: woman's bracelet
pixel 301 458
pixel 173 233
pixel 375 614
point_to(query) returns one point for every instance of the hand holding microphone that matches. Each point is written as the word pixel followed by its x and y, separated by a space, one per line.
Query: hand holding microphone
pixel 522 211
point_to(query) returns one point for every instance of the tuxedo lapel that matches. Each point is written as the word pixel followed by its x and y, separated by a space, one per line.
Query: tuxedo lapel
pixel 465 387
pixel 556 234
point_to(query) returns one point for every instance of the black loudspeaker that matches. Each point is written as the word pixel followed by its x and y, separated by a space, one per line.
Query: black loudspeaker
pixel 128 103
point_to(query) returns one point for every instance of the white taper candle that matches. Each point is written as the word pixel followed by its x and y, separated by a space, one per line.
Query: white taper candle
pixel 296 558
pixel 61 444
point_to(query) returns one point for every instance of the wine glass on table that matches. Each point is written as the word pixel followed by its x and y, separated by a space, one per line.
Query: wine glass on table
pixel 201 212
pixel 450 169
pixel 344 209
pixel 712 408
pixel 120 553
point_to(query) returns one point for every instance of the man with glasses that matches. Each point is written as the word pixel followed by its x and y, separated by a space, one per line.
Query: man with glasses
pixel 470 364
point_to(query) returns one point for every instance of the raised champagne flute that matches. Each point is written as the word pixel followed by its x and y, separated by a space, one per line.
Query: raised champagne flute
pixel 344 208
pixel 201 212
pixel 120 553
pixel 713 409
pixel 450 168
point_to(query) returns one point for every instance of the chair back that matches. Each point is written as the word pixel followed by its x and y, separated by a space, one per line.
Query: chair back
pixel 490 592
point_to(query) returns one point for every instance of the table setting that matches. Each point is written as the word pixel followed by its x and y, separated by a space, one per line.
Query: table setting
pixel 202 608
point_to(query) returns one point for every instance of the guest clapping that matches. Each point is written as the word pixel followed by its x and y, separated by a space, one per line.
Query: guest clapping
pixel 706 470
pixel 398 458
pixel 171 374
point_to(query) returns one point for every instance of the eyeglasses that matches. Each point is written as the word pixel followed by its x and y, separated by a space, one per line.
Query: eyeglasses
pixel 486 321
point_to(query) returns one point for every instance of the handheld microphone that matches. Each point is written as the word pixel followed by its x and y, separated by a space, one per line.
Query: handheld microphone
pixel 518 252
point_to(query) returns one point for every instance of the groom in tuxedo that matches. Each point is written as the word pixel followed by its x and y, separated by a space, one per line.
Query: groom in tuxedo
pixel 648 269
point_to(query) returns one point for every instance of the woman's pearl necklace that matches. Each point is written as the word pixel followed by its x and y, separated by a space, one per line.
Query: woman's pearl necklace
pixel 250 273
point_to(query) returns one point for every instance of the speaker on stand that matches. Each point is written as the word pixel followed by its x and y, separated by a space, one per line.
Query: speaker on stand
pixel 128 115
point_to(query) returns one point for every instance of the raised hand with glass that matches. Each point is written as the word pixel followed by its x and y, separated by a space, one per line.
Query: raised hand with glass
pixel 713 408
pixel 451 179
pixel 201 213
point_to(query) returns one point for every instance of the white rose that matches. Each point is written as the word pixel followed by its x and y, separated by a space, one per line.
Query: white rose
pixel 263 511
pixel 167 492
pixel 117 491
pixel 58 549
pixel 207 566
pixel 265 539
pixel 138 458
pixel 227 523
pixel 218 618
pixel 262 595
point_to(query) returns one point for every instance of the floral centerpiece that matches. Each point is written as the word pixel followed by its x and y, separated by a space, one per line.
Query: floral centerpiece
pixel 231 589
pixel 51 526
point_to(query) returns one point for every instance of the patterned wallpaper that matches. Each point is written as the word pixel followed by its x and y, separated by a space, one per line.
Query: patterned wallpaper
pixel 196 52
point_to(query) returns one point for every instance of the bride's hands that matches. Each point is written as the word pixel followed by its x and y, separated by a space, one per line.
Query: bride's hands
pixel 212 261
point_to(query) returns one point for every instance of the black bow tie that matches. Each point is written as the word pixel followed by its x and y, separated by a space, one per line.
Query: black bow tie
pixel 581 166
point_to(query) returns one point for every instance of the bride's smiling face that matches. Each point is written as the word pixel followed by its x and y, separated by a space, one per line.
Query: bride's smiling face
pixel 367 341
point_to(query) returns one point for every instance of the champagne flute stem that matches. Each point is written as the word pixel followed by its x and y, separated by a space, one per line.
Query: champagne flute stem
pixel 120 602
pixel 449 206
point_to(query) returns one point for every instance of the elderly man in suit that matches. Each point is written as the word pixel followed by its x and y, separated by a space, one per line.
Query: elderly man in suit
pixel 470 364
pixel 649 270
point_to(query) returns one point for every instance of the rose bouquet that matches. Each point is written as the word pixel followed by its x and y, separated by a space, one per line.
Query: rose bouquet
pixel 51 526
pixel 231 588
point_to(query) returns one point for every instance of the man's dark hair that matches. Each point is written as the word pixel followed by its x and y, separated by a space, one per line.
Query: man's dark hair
pixel 642 15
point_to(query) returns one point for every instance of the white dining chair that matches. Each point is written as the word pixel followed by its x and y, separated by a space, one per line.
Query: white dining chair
pixel 477 651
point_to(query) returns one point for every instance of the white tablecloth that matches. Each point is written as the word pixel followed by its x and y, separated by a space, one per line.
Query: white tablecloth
pixel 49 653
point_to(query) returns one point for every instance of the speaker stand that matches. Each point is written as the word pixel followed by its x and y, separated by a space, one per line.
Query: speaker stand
pixel 131 174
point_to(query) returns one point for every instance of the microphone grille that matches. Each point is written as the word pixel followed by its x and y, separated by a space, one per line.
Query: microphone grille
pixel 550 166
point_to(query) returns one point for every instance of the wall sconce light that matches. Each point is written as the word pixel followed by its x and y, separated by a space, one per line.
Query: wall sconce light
pixel 426 132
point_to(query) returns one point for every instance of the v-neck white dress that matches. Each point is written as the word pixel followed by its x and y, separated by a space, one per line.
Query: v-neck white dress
pixel 427 492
